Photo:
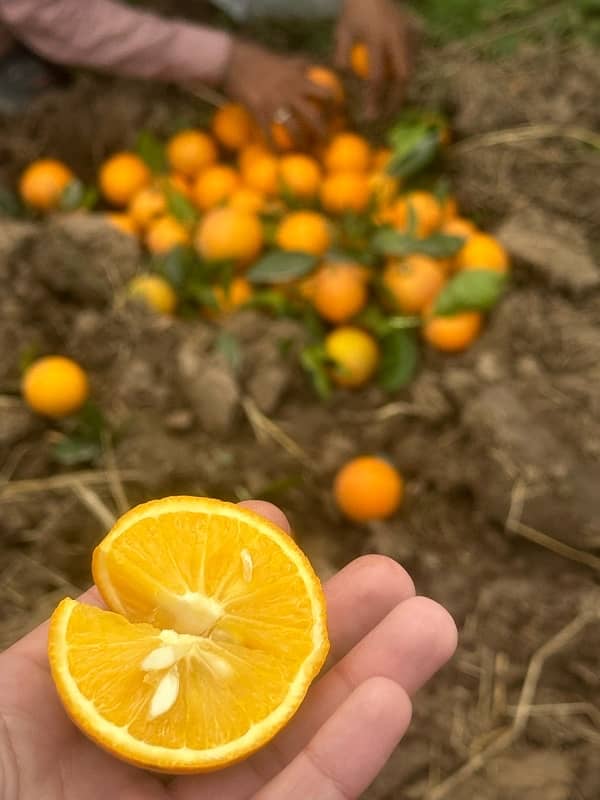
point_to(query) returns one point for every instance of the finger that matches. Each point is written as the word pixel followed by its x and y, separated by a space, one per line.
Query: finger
pixel 268 511
pixel 358 598
pixel 343 758
pixel 343 46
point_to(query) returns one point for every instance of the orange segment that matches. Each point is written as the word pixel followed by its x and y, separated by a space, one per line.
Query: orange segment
pixel 219 632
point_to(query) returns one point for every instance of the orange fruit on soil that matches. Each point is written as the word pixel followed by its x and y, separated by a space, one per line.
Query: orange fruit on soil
pixel 229 299
pixel 155 291
pixel 359 60
pixel 146 206
pixel 345 191
pixel 214 186
pixel 43 182
pixel 233 126
pixel 355 356
pixel 300 175
pixel 216 629
pixel 247 199
pixel 262 174
pixel 413 282
pixel 191 151
pixel 348 152
pixel 368 488
pixel 325 77
pixel 229 234
pixel 304 232
pixel 122 222
pixel 452 333
pixel 121 178
pixel 339 291
pixel 55 386
pixel 482 251
pixel 425 207
pixel 165 234
pixel 459 226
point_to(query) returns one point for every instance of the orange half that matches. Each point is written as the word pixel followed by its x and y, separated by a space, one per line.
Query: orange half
pixel 216 630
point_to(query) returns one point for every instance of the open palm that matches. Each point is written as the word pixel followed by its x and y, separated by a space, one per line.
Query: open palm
pixel 385 644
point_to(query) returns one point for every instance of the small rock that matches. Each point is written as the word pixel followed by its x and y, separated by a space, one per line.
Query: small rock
pixel 489 368
pixel 180 420
pixel 553 246
pixel 267 386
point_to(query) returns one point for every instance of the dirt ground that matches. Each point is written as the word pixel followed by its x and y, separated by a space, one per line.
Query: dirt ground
pixel 499 446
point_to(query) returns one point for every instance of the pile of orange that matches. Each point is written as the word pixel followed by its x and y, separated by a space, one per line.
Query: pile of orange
pixel 233 195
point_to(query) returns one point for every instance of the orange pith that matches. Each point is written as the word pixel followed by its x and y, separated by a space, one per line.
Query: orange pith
pixel 217 629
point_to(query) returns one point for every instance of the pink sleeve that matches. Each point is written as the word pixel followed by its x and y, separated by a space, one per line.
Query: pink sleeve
pixel 109 36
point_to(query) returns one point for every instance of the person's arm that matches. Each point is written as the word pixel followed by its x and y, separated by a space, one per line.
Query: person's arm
pixel 112 37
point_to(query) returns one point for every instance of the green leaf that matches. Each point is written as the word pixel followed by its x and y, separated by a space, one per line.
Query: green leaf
pixel 227 344
pixel 374 320
pixel 151 150
pixel 28 355
pixel 72 450
pixel 72 196
pixel 471 290
pixel 281 266
pixel 399 358
pixel 180 207
pixel 273 301
pixel 414 149
pixel 177 265
pixel 90 198
pixel 10 204
pixel 314 360
pixel 389 242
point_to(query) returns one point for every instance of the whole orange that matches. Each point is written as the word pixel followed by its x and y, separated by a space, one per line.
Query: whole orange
pixel 55 386
pixel 246 199
pixel 43 182
pixel 229 234
pixel 214 186
pixel 412 283
pixel 190 151
pixel 345 191
pixel 300 175
pixel 145 206
pixel 348 152
pixel 425 209
pixel 339 291
pixel 262 174
pixel 233 126
pixel 165 234
pixel 304 232
pixel 452 333
pixel 368 488
pixel 482 251
pixel 354 354
pixel 121 178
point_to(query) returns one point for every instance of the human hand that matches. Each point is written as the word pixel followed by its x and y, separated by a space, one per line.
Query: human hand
pixel 388 33
pixel 271 85
pixel 385 644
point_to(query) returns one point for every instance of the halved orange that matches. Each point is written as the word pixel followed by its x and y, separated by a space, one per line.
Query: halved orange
pixel 217 628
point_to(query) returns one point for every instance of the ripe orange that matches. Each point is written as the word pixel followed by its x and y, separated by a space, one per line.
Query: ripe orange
pixel 246 199
pixel 216 629
pixel 249 154
pixel 43 182
pixel 355 356
pixel 282 137
pixel 452 333
pixel 155 292
pixel 325 77
pixel 233 126
pixel 426 210
pixel 348 152
pixel 146 206
pixel 229 234
pixel 368 488
pixel 413 282
pixel 482 251
pixel 214 186
pixel 304 232
pixel 229 299
pixel 262 174
pixel 359 60
pixel 122 222
pixel 459 227
pixel 121 178
pixel 190 151
pixel 166 233
pixel 345 191
pixel 339 291
pixel 300 175
pixel 55 386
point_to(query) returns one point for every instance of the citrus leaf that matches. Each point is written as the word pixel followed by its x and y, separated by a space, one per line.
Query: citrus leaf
pixel 274 301
pixel 471 290
pixel 374 320
pixel 72 196
pixel 389 242
pixel 414 149
pixel 152 151
pixel 399 358
pixel 227 344
pixel 72 450
pixel 181 208
pixel 314 360
pixel 281 267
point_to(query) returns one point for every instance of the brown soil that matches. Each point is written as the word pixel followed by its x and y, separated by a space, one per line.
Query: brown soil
pixel 515 421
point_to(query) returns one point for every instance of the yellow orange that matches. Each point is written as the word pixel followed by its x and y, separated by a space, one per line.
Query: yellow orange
pixel 412 283
pixel 482 251
pixel 145 206
pixel 165 234
pixel 43 182
pixel 425 209
pixel 262 174
pixel 305 232
pixel 452 333
pixel 354 355
pixel 368 488
pixel 339 291
pixel 190 151
pixel 233 126
pixel 214 186
pixel 228 234
pixel 155 291
pixel 55 386
pixel 348 152
pixel 300 175
pixel 345 191
pixel 122 176
pixel 246 199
